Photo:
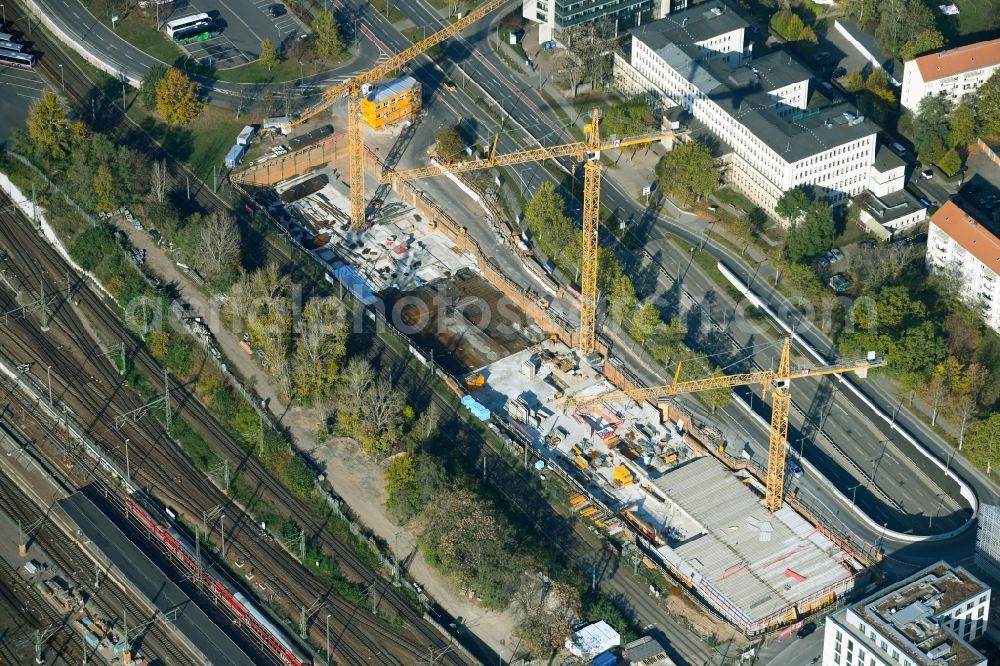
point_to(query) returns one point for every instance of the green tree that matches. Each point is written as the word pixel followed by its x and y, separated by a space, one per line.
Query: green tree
pixel 329 44
pixel 950 162
pixel 147 91
pixel 622 300
pixel 268 54
pixel 792 204
pixel 922 42
pixel 717 397
pixel 877 83
pixel 411 480
pixel 50 130
pixel 789 25
pixel 104 188
pixel 645 323
pixel 889 310
pixel 982 444
pixel 988 105
pixel 448 143
pixel 962 128
pixel 933 151
pixel 688 172
pixel 899 21
pixel 930 127
pixel 628 118
pixel 177 97
pixel 813 234
pixel 667 342
pixel 555 234
pixel 855 81
pixel 916 350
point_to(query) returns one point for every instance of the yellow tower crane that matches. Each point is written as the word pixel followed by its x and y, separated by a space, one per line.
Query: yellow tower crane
pixel 352 89
pixel 781 401
pixel 589 152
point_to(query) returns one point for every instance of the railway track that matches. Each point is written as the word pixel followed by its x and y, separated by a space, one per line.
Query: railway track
pixel 110 599
pixel 91 387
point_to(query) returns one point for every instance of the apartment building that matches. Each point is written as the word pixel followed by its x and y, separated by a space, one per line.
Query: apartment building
pixel 757 105
pixel 553 16
pixel 390 103
pixel 968 250
pixel 928 619
pixel 954 73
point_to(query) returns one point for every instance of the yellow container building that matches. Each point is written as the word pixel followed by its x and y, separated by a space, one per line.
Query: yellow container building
pixel 390 103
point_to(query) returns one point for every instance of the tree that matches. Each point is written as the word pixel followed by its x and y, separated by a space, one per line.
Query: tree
pixel 922 42
pixel 548 611
pixel 915 350
pixel 894 310
pixel 855 81
pixel 555 234
pixel 688 172
pixel 950 162
pixel 268 54
pixel 448 144
pixel 50 130
pixel 592 43
pixel 813 234
pixel 411 480
pixel 667 342
pixel 792 204
pixel 899 21
pixel 877 83
pixel 789 25
pixel 645 322
pixel 158 179
pixel 568 66
pixel 968 389
pixel 937 389
pixel 329 45
pixel 622 300
pixel 177 98
pixel 930 128
pixel 983 443
pixel 320 348
pixel 717 397
pixel 147 90
pixel 104 188
pixel 962 128
pixel 988 105
pixel 219 246
pixel 628 118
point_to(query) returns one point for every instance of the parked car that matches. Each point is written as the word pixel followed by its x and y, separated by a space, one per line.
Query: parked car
pixel 838 72
pixel 927 173
pixel 448 85
pixel 806 630
pixel 836 254
pixel 277 10
pixel 795 469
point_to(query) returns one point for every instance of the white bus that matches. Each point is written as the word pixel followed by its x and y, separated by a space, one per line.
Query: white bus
pixel 179 29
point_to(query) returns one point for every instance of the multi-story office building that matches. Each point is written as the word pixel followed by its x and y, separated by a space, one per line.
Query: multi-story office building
pixel 928 619
pixel 555 15
pixel 759 106
pixel 954 73
pixel 968 250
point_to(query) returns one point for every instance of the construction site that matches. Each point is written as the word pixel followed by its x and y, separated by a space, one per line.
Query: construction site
pixel 525 354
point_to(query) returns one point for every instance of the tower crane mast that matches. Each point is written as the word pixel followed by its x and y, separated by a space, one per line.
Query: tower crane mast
pixel 777 382
pixel 352 89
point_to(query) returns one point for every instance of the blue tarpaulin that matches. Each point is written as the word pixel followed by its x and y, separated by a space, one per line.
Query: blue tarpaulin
pixel 356 284
pixel 604 659
pixel 476 408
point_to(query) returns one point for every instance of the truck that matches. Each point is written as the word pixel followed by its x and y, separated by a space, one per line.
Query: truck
pixel 246 135
pixel 235 155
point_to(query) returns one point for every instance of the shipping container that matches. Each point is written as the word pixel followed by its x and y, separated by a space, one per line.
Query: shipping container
pixel 235 155
pixel 246 135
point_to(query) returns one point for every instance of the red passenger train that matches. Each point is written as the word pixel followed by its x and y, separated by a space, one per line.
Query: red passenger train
pixel 248 614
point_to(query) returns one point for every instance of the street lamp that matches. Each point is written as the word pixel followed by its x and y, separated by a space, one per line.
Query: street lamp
pixel 301 75
pixel 328 638
pixel 114 22
pixel 62 76
pixel 4 10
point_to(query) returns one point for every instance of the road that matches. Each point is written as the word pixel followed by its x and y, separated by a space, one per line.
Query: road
pixel 916 496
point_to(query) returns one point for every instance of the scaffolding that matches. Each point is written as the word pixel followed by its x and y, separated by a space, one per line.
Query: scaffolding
pixel 988 542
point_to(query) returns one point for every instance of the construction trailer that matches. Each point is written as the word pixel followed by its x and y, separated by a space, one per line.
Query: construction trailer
pixel 390 103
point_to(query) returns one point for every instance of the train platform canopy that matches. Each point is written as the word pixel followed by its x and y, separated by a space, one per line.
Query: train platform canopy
pixel 153 583
pixel 752 565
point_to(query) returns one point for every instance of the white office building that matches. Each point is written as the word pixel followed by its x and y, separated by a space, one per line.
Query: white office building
pixel 758 106
pixel 968 250
pixel 928 619
pixel 553 16
pixel 954 73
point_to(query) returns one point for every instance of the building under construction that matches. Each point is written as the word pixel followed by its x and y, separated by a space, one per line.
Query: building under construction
pixel 643 475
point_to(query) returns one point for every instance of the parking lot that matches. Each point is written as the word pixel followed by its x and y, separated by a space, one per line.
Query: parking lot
pixel 245 24
pixel 21 88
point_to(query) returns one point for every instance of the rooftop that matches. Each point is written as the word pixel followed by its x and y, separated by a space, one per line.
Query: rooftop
pixel 892 206
pixel 646 649
pixel 689 26
pixel 961 59
pixel 886 160
pixel 762 562
pixel 970 233
pixel 867 41
pixel 386 91
pixel 743 93
pixel 907 612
